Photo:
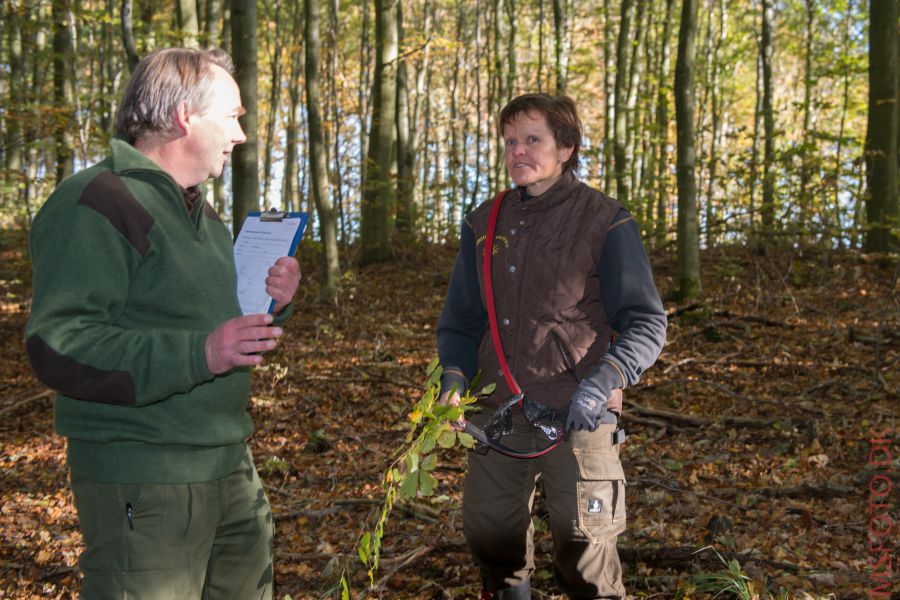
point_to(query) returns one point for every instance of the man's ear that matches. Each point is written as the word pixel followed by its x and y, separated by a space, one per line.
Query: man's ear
pixel 183 117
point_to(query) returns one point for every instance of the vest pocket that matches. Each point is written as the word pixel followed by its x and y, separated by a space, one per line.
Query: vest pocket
pixel 563 350
pixel 600 494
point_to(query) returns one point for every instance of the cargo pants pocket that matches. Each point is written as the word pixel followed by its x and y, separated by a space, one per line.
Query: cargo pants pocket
pixel 601 494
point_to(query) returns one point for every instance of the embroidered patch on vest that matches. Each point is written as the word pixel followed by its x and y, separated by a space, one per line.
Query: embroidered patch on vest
pixel 594 505
pixel 495 249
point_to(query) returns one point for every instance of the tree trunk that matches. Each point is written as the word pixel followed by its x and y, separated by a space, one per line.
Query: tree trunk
pixel 845 101
pixel 688 238
pixel 632 118
pixel 754 146
pixel 621 125
pixel 13 117
pixel 512 75
pixel 406 213
pixel 559 39
pixel 715 113
pixel 765 50
pixel 186 10
pixel 662 131
pixel 212 17
pixel 318 173
pixel 336 119
pixel 881 139
pixel 274 104
pixel 609 137
pixel 365 60
pixel 290 194
pixel 245 169
pixel 808 144
pixel 128 36
pixel 377 201
pixel 63 96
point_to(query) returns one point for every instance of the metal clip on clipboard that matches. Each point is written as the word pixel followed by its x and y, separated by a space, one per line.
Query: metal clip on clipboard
pixel 273 216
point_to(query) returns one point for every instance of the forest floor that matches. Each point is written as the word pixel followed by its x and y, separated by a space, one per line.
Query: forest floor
pixel 749 441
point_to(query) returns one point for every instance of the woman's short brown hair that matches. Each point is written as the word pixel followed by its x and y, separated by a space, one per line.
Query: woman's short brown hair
pixel 561 116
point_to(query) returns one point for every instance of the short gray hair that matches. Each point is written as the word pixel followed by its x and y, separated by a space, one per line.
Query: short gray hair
pixel 164 80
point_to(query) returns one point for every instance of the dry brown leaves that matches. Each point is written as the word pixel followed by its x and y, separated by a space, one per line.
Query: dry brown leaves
pixel 749 436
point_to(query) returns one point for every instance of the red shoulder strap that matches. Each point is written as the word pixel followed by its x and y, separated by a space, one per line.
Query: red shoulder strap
pixel 489 293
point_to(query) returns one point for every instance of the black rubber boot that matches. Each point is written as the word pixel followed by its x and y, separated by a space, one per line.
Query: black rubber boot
pixel 519 592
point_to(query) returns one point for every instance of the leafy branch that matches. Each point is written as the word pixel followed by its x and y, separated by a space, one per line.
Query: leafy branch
pixel 410 473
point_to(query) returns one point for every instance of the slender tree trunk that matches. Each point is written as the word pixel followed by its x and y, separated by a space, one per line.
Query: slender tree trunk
pixel 13 156
pixel 318 171
pixel 512 74
pixel 245 167
pixel 621 125
pixel 377 204
pixel 559 38
pixel 808 143
pixel 688 234
pixel 768 199
pixel 63 96
pixel 365 61
pixel 473 201
pixel 212 17
pixel 845 102
pixel 662 130
pixel 608 99
pixel 714 133
pixel 128 36
pixel 406 213
pixel 274 103
pixel 881 140
pixel 290 195
pixel 632 116
pixel 455 160
pixel 186 11
pixel 754 146
pixel 336 118
pixel 540 36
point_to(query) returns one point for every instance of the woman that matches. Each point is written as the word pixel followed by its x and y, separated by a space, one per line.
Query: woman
pixel 568 269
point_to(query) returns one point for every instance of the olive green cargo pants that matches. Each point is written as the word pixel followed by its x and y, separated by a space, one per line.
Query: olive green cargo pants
pixel 584 485
pixel 209 540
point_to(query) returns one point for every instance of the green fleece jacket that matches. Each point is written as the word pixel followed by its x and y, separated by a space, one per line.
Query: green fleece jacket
pixel 127 287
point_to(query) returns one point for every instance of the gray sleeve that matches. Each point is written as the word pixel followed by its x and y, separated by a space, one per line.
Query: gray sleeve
pixel 632 306
pixel 463 320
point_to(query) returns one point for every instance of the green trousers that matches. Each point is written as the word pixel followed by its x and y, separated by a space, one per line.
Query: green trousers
pixel 584 486
pixel 209 540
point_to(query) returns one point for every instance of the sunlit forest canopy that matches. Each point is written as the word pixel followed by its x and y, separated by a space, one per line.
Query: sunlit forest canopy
pixel 64 64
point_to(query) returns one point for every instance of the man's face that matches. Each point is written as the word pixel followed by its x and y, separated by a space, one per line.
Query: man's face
pixel 215 130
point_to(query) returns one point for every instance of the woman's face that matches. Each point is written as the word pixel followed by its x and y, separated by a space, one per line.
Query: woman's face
pixel 532 157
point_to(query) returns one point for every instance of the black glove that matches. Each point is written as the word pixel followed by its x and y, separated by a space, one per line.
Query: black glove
pixel 588 405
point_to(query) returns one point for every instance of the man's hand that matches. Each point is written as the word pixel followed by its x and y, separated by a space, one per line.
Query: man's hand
pixel 282 282
pixel 237 342
pixel 587 406
pixel 451 384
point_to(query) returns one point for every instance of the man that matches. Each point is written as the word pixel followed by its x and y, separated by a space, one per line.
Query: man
pixel 135 322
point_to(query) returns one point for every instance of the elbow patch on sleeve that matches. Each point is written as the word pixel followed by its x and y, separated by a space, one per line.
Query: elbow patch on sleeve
pixel 71 378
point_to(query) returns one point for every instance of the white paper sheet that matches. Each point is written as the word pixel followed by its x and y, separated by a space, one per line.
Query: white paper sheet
pixel 259 244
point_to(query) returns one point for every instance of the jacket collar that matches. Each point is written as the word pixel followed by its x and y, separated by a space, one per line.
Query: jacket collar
pixel 559 192
pixel 126 157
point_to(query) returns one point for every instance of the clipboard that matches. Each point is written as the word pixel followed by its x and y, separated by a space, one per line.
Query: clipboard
pixel 264 238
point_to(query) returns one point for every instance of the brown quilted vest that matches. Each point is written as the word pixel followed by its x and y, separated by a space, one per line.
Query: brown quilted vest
pixel 546 289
